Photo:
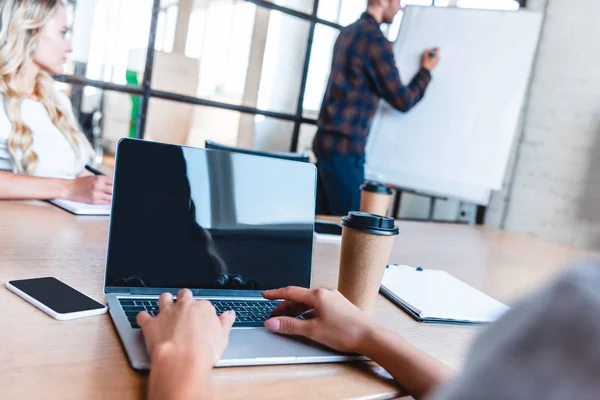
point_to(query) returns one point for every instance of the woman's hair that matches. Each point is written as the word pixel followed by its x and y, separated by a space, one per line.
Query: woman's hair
pixel 20 23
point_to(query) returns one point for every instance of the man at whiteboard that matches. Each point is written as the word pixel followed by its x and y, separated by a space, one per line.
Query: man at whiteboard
pixel 362 72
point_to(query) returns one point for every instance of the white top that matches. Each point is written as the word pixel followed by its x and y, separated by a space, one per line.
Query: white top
pixel 56 158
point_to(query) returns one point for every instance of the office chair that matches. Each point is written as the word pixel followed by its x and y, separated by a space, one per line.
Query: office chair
pixel 210 145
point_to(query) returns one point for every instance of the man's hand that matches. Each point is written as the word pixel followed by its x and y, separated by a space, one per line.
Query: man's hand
pixel 430 59
pixel 334 321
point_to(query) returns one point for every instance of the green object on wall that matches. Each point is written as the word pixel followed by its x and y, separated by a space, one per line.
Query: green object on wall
pixel 132 79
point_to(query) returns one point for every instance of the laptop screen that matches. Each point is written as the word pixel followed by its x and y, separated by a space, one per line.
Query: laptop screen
pixel 202 219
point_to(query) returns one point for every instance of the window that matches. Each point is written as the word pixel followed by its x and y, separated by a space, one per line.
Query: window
pixel 173 122
pixel 344 12
pixel 318 70
pixel 285 50
pixel 305 6
pixel 166 26
pixel 219 40
pixel 109 38
pixel 239 72
pixel 490 4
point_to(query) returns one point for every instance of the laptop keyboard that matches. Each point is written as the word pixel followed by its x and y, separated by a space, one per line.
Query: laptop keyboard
pixel 248 313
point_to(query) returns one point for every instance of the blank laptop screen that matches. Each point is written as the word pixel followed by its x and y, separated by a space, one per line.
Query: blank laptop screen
pixel 187 217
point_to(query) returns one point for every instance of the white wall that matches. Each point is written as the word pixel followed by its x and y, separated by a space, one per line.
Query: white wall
pixel 554 192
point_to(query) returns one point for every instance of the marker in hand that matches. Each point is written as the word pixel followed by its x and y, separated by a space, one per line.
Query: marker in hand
pixel 430 58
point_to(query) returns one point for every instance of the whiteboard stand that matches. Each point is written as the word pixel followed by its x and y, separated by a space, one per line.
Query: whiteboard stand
pixel 477 218
pixel 432 200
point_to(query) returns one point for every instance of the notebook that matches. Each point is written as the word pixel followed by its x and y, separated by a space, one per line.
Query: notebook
pixel 438 297
pixel 78 208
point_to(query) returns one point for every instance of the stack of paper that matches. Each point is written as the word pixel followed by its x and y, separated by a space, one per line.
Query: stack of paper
pixel 438 297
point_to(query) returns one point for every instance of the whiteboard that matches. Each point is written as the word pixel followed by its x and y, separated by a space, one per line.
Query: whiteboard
pixel 457 140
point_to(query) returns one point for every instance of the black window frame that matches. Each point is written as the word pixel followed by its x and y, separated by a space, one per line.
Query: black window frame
pixel 146 92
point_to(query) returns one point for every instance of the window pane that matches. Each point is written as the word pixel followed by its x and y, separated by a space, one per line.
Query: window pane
pixel 284 54
pixel 343 12
pixel 119 117
pixel 189 124
pixel 489 4
pixel 272 134
pixel 306 6
pixel 166 26
pixel 236 53
pixel 212 53
pixel 305 139
pixel 103 116
pixel 109 38
pixel 319 69
pixel 417 2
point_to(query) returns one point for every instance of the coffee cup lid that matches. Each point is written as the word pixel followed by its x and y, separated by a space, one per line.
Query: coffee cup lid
pixel 376 187
pixel 370 223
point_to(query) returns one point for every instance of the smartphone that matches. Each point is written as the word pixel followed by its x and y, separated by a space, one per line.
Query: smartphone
pixel 56 298
pixel 328 228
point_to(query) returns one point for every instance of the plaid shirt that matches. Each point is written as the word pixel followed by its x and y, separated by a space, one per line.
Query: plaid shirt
pixel 363 71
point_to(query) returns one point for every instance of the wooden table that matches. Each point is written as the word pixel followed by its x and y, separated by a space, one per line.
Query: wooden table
pixel 83 359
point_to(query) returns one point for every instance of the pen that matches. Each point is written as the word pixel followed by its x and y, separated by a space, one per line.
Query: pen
pixel 94 170
pixel 392 266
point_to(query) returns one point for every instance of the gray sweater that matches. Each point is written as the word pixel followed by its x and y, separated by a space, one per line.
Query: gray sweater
pixel 547 347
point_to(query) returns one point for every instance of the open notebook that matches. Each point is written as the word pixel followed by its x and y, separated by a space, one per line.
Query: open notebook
pixel 78 208
pixel 438 297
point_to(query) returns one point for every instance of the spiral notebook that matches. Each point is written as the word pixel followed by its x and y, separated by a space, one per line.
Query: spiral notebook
pixel 437 297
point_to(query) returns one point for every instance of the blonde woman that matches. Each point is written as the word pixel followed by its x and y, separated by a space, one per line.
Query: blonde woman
pixel 42 153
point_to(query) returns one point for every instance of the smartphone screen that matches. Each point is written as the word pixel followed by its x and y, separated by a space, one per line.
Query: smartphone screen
pixel 57 295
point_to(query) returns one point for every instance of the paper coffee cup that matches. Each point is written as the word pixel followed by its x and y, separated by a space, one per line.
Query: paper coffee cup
pixel 375 198
pixel 367 242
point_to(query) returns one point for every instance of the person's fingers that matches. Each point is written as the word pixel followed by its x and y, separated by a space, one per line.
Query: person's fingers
pixel 104 199
pixel 289 308
pixel 165 301
pixel 227 319
pixel 108 189
pixel 296 294
pixel 290 326
pixel 143 318
pixel 185 294
pixel 108 182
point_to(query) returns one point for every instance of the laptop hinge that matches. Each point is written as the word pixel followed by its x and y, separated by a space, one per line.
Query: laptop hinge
pixel 197 292
pixel 115 289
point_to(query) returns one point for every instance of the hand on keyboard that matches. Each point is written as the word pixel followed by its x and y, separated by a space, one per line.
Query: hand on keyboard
pixel 330 318
pixel 187 326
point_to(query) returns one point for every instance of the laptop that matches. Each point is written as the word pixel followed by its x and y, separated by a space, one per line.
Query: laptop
pixel 225 225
